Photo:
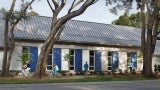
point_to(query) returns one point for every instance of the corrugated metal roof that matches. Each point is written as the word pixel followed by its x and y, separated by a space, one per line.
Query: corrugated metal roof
pixel 100 33
pixel 79 31
pixel 38 28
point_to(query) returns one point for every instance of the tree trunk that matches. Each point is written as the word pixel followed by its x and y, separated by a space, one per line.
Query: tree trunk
pixel 143 21
pixel 6 38
pixel 3 74
pixel 43 57
pixel 148 51
pixel 11 51
pixel 39 72
pixel 148 62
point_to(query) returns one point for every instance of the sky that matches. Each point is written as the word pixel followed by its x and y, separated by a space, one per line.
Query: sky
pixel 98 12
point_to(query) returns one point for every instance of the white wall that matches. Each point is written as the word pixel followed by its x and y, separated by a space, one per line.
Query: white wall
pixel 104 61
pixel 64 64
pixel 16 65
pixel 156 60
pixel 15 62
pixel 123 61
pixel 85 57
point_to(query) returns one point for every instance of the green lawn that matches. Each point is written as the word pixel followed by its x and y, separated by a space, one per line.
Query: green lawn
pixel 64 80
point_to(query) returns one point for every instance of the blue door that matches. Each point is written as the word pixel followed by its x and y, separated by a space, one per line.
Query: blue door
pixel 33 63
pixel 97 60
pixel 57 57
pixel 78 60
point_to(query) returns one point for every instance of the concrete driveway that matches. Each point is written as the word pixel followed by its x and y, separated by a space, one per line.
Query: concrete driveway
pixel 115 85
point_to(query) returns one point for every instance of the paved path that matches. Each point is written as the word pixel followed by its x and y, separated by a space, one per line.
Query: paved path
pixel 115 85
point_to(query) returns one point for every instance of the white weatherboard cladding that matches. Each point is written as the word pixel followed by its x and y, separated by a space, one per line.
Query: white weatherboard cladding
pixel 1 59
pixel 156 60
pixel 64 65
pixel 123 61
pixel 16 61
pixel 140 62
pixel 85 57
pixel 104 56
pixel 29 44
pixel 16 65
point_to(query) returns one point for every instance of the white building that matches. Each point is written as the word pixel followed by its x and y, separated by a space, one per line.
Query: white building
pixel 104 46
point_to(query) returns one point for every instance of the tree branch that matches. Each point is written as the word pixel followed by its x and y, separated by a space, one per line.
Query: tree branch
pixel 11 9
pixel 55 3
pixel 70 9
pixel 50 6
pixel 57 10
pixel 76 4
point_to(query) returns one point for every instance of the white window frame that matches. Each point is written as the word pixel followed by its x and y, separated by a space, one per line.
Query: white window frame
pixel 111 58
pixel 72 66
pixel 92 66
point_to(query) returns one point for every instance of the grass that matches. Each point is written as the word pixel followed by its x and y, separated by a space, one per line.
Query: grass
pixel 64 80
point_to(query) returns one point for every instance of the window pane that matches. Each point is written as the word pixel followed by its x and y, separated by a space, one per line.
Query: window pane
pixel 49 67
pixel 128 55
pixel 71 68
pixel 91 63
pixel 72 52
pixel 71 62
pixel 109 62
pixel 109 53
pixel 91 59
pixel 91 68
pixel 91 53
pixel 49 60
pixel 109 68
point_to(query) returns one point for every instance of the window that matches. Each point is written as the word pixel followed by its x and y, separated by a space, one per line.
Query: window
pixel 92 60
pixel 71 59
pixel 129 61
pixel 26 55
pixel 110 60
pixel 50 61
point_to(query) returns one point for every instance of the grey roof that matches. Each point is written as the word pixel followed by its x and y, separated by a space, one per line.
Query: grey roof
pixel 38 28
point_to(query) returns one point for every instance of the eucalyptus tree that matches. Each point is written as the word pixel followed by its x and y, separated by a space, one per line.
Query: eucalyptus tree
pixel 133 20
pixel 3 9
pixel 76 7
pixel 12 18
pixel 33 13
pixel 150 27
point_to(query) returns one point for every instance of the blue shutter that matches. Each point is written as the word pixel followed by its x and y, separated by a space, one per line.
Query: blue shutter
pixel 33 63
pixel 134 59
pixel 78 60
pixel 57 57
pixel 115 60
pixel 97 60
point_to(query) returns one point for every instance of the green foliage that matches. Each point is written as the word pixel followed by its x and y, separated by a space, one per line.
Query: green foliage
pixel 26 56
pixel 67 56
pixel 133 20
pixel 3 9
pixel 33 13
